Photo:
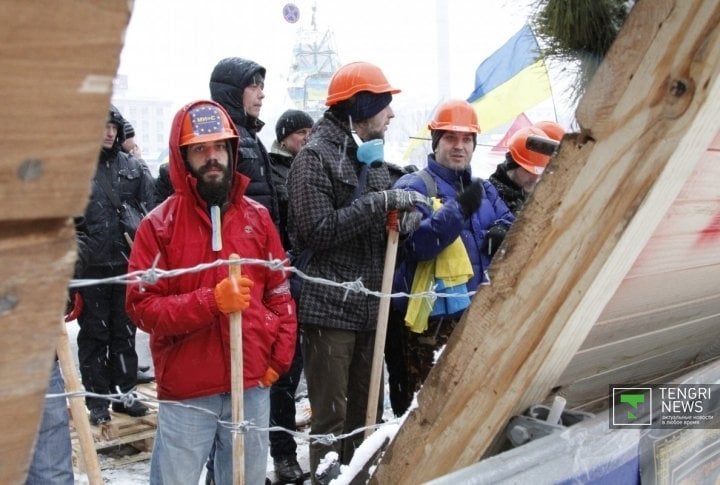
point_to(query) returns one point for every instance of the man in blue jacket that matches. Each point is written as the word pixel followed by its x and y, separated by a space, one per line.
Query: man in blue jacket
pixel 463 230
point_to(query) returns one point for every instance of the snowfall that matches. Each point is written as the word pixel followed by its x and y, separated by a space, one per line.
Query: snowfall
pixel 138 473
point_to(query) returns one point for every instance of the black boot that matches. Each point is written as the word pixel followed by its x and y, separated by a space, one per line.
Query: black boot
pixel 99 415
pixel 287 469
pixel 136 410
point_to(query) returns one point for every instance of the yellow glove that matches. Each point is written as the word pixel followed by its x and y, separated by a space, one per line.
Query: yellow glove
pixel 269 378
pixel 233 295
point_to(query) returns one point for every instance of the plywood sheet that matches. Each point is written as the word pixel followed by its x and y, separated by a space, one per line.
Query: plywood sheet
pixel 57 62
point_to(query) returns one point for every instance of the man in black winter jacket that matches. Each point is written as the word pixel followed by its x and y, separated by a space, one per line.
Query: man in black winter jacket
pixel 238 84
pixel 106 340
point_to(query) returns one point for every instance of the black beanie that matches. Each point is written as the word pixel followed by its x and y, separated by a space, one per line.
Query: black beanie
pixel 362 106
pixel 291 121
pixel 435 136
pixel 510 164
pixel 129 130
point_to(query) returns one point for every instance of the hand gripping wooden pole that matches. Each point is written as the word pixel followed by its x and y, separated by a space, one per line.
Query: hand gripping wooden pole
pixel 382 322
pixel 77 408
pixel 236 376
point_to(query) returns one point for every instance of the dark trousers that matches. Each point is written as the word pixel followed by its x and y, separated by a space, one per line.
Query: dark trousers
pixel 106 342
pixel 282 407
pixel 395 361
pixel 409 367
pixel 337 370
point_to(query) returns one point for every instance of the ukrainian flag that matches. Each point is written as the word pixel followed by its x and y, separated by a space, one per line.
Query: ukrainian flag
pixel 512 80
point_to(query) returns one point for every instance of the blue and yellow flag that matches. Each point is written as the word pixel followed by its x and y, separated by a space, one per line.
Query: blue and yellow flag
pixel 512 80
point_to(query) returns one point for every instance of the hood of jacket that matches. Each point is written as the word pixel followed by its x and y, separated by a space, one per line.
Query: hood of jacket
pixel 228 81
pixel 116 118
pixel 182 180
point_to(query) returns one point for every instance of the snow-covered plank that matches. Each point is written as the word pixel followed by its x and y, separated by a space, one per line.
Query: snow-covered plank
pixel 57 62
pixel 649 115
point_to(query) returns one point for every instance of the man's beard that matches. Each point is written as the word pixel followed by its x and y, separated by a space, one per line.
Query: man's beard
pixel 214 192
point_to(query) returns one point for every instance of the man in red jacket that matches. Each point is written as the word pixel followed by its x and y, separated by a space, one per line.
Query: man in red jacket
pixel 187 316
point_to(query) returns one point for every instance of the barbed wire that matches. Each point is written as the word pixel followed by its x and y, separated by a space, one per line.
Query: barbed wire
pixel 127 399
pixel 154 274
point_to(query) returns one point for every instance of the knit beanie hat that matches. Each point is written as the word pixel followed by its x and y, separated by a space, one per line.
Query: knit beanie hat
pixel 362 106
pixel 129 130
pixel 435 136
pixel 291 121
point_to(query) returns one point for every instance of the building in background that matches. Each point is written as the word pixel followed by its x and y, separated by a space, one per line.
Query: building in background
pixel 151 119
pixel 315 60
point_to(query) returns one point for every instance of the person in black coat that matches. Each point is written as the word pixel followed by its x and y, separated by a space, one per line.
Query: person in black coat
pixel 238 85
pixel 292 131
pixel 106 340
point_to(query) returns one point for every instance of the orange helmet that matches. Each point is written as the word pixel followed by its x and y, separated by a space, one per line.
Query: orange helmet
pixel 531 161
pixel 205 121
pixel 352 78
pixel 553 130
pixel 455 115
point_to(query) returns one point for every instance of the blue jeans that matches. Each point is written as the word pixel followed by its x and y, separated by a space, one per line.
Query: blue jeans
pixel 185 436
pixel 52 460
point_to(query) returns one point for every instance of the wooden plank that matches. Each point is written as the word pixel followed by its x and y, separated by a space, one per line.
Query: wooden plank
pixel 57 61
pixel 678 357
pixel 649 294
pixel 659 318
pixel 591 216
pixel 582 400
pixel 629 351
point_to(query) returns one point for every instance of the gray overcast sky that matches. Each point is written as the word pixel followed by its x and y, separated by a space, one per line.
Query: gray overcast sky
pixel 171 46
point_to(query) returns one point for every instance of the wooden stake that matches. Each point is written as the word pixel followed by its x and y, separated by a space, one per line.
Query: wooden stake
pixel 77 408
pixel 381 330
pixel 236 373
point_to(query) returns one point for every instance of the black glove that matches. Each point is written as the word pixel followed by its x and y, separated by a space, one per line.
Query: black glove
pixel 470 199
pixel 396 199
pixel 494 238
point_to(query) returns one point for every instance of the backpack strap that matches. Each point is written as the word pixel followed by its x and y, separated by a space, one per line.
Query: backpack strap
pixel 429 181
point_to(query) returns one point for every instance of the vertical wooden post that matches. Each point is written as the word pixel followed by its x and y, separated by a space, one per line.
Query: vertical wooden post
pixel 236 373
pixel 382 322
pixel 77 408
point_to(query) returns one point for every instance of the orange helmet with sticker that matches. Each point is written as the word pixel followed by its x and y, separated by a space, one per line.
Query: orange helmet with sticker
pixel 204 122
